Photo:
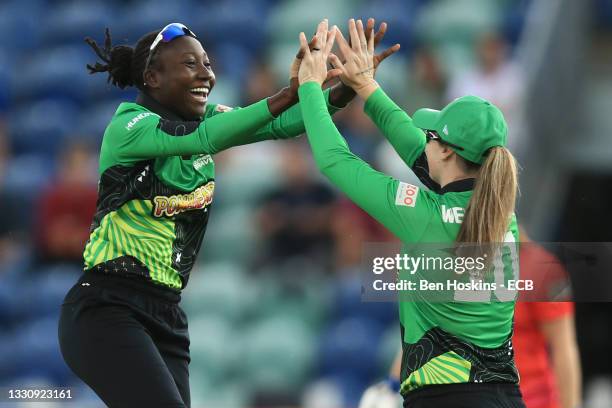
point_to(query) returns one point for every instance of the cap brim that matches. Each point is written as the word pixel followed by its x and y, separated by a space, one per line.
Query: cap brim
pixel 426 118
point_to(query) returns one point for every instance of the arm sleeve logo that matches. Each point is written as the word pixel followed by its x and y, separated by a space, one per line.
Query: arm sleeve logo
pixel 407 194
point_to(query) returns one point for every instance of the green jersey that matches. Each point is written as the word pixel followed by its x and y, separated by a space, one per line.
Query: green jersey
pixel 157 182
pixel 444 342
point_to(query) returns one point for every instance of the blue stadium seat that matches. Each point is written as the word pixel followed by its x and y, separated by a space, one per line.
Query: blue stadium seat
pixel 238 22
pixel 35 352
pixel 278 353
pixel 399 16
pixel 54 73
pixel 141 17
pixel 49 287
pixel 348 303
pixel 350 386
pixel 41 126
pixel 26 175
pixel 93 121
pixel 350 347
pixel 603 13
pixel 72 21
pixel 19 26
pixel 5 77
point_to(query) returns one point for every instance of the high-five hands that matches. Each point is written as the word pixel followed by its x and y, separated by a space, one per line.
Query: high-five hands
pixel 358 69
pixel 313 66
pixel 378 58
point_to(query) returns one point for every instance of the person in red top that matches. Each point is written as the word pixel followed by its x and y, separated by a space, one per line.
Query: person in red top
pixel 545 349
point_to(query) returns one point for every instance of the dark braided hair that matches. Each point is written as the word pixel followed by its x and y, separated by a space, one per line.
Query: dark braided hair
pixel 125 65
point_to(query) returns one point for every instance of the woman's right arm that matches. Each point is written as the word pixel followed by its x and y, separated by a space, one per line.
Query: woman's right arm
pixel 395 124
pixel 139 135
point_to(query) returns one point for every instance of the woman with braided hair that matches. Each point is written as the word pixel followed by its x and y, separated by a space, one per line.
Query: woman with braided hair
pixel 121 328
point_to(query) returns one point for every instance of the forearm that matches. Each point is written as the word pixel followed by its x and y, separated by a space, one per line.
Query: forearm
pixel 282 101
pixel 397 127
pixel 328 146
pixel 340 95
pixel 290 123
pixel 566 366
pixel 396 367
pixel 235 128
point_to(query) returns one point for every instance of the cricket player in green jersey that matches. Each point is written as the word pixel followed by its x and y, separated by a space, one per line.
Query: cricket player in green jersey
pixel 455 354
pixel 121 328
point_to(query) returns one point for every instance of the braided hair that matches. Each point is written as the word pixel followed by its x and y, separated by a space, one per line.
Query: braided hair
pixel 125 65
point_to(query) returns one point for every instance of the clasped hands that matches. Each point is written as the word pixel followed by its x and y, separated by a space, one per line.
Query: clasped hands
pixel 359 63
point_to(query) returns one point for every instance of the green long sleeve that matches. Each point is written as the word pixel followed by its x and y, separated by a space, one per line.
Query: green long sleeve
pixel 136 133
pixel 375 192
pixel 287 125
pixel 395 124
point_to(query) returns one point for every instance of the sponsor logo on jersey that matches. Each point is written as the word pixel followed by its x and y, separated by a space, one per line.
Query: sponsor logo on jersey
pixel 176 204
pixel 452 215
pixel 407 195
pixel 137 119
pixel 202 161
pixel 223 108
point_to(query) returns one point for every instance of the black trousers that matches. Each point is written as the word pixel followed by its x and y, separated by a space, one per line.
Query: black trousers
pixel 127 340
pixel 469 395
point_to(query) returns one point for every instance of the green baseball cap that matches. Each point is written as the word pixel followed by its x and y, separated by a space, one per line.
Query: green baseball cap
pixel 470 122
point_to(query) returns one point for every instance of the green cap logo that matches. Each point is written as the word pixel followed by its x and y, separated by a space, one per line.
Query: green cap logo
pixel 471 122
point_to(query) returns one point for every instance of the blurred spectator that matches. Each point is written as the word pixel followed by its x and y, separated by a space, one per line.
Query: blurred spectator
pixel 261 83
pixel 426 81
pixel 500 80
pixel 352 227
pixel 67 206
pixel 10 223
pixel 295 219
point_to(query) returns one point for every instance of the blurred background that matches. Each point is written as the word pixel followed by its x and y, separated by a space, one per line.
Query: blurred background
pixel 274 303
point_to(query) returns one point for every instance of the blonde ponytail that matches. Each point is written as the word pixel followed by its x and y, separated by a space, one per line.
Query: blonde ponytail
pixel 492 204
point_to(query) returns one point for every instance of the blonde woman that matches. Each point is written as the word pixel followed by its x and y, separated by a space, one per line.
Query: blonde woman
pixel 455 354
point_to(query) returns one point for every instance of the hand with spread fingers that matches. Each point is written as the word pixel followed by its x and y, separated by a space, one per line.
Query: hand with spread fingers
pixel 359 67
pixel 313 66
pixel 378 36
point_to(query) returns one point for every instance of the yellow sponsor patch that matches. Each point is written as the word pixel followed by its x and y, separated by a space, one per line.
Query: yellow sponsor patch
pixel 176 204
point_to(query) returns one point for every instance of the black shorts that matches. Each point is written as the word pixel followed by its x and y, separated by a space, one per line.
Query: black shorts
pixel 128 340
pixel 469 395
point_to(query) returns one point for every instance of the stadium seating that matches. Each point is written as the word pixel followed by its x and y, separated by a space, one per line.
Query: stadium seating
pixel 279 328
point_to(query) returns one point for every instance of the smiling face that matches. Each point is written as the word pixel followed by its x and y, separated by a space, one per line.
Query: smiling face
pixel 180 77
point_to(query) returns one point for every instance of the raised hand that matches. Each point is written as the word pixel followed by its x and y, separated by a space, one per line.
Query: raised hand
pixel 378 36
pixel 358 69
pixel 313 66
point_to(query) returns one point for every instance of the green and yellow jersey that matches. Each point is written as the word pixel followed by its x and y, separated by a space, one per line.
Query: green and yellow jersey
pixel 443 342
pixel 157 183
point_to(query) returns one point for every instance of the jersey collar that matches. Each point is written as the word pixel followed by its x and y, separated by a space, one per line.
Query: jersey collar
pixel 151 104
pixel 459 186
